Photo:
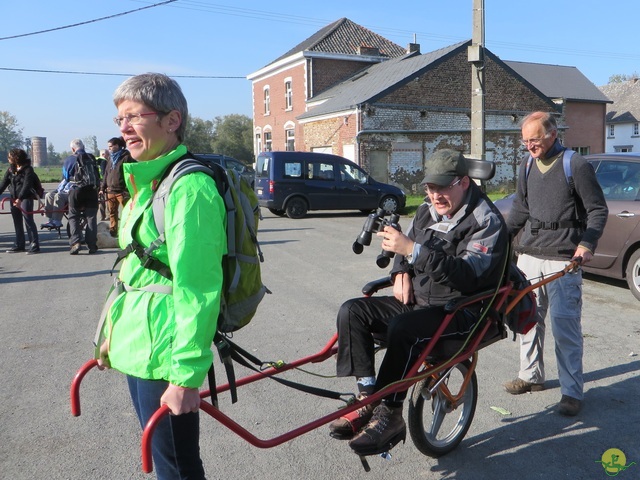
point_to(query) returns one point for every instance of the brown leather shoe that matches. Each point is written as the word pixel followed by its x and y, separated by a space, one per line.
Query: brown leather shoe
pixel 519 386
pixel 569 406
pixel 348 425
pixel 382 433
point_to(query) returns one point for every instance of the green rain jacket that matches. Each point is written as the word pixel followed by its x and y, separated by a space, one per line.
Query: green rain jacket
pixel 158 336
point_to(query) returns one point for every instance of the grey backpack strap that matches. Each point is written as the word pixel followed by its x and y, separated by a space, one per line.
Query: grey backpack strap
pixel 183 167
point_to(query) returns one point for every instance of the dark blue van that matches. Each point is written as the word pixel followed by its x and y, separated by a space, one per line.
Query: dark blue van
pixel 291 183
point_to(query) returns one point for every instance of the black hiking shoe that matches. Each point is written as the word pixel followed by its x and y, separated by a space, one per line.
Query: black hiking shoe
pixel 382 433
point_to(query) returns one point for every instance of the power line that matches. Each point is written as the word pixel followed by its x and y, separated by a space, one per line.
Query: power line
pixel 67 72
pixel 87 22
pixel 301 20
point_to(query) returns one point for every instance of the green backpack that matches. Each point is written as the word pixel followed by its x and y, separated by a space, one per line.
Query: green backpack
pixel 242 285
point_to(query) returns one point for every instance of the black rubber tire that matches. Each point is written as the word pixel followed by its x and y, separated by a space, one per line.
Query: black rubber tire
pixel 436 439
pixel 389 204
pixel 275 211
pixel 296 208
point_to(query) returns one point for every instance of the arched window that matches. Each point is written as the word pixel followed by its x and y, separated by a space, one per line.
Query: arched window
pixel 267 101
pixel 288 94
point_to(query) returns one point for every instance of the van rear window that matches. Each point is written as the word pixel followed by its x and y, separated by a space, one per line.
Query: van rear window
pixel 262 167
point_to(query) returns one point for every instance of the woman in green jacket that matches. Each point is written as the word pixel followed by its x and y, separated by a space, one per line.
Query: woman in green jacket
pixel 158 332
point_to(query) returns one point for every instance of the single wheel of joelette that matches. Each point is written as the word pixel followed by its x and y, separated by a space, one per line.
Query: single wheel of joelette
pixel 435 424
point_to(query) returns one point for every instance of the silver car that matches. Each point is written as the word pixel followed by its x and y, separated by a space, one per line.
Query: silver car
pixel 618 252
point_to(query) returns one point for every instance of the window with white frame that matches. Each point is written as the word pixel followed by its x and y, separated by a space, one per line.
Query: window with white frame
pixel 258 142
pixel 612 130
pixel 267 101
pixel 582 150
pixel 636 129
pixel 288 95
pixel 291 140
pixel 267 142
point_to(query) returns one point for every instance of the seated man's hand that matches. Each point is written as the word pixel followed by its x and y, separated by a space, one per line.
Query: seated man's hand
pixel 403 289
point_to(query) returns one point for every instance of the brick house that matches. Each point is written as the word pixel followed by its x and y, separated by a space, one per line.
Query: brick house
pixel 282 89
pixel 393 111
pixel 584 104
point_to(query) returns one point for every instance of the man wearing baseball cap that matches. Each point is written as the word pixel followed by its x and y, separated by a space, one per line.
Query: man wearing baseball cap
pixel 454 246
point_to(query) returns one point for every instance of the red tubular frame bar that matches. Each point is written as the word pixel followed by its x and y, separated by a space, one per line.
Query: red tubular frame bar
pixel 413 376
pixel 35 212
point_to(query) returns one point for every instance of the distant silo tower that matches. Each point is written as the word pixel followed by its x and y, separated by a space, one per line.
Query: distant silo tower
pixel 38 151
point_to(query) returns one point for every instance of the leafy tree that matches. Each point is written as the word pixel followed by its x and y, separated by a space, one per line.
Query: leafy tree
pixel 53 158
pixel 623 77
pixel 10 134
pixel 91 145
pixel 233 137
pixel 199 135
pixel 228 135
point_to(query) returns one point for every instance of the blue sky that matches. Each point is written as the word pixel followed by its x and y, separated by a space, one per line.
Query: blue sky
pixel 224 38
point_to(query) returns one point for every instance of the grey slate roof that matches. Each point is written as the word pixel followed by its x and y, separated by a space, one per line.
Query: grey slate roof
pixel 626 101
pixel 344 36
pixel 558 81
pixel 375 81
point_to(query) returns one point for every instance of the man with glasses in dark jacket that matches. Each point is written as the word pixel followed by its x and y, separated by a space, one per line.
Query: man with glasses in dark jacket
pixel 455 246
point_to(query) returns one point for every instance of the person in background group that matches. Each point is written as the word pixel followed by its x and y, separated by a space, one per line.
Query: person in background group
pixel 158 332
pixel 113 184
pixel 102 165
pixel 82 200
pixel 54 203
pixel 23 186
pixel 559 222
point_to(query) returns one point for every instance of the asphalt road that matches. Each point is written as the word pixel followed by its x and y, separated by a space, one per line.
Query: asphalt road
pixel 50 306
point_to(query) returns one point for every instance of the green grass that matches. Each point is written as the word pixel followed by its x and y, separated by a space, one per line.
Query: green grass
pixel 414 201
pixel 52 174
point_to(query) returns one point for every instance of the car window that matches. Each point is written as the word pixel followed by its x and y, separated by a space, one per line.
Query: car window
pixel 320 171
pixel 349 173
pixel 235 165
pixel 262 167
pixel 619 180
pixel 292 169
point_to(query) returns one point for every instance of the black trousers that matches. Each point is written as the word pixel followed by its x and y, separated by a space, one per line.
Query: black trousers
pixel 86 199
pixel 406 328
pixel 29 223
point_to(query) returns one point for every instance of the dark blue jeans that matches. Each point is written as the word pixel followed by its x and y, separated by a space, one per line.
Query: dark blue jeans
pixel 175 444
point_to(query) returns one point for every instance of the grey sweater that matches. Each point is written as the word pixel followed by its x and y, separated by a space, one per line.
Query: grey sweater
pixel 547 198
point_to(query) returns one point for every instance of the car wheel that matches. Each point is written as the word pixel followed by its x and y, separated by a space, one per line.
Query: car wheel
pixel 633 274
pixel 275 211
pixel 296 208
pixel 389 204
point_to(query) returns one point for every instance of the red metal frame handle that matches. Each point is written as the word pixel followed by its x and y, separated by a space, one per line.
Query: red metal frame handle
pixel 75 386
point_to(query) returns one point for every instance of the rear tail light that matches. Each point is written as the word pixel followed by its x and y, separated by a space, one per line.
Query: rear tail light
pixel 271 183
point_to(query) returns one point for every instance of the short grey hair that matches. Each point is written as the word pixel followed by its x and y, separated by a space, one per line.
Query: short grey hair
pixel 77 144
pixel 158 92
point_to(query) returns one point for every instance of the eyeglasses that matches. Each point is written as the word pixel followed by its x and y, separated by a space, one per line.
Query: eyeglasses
pixel 533 141
pixel 132 118
pixel 441 189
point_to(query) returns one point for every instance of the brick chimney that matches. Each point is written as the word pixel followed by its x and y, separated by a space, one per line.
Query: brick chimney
pixel 413 47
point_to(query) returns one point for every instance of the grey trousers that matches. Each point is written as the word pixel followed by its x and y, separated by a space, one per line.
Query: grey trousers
pixel 562 299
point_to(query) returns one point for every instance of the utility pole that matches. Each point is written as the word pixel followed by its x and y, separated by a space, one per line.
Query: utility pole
pixel 476 58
